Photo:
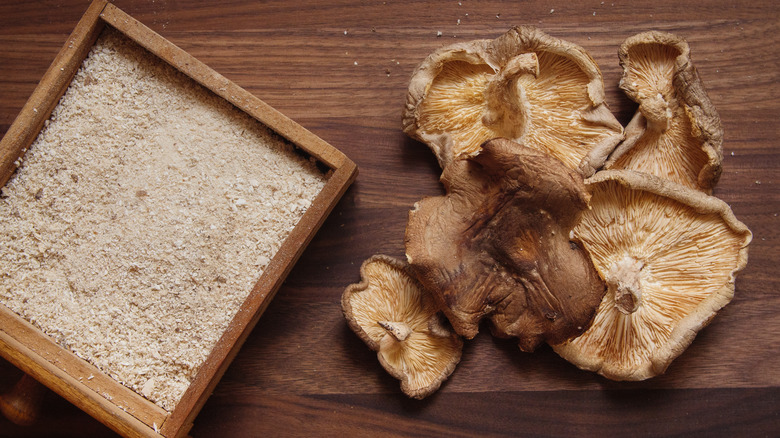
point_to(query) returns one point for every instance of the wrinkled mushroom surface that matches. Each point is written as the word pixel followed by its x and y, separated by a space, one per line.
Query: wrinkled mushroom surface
pixel 669 255
pixel 497 246
pixel 525 85
pixel 676 132
pixel 394 316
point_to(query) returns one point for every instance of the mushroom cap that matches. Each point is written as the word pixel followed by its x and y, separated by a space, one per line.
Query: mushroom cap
pixel 669 255
pixel 525 85
pixel 497 246
pixel 395 317
pixel 676 133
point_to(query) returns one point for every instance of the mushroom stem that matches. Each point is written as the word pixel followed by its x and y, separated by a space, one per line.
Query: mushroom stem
pixel 398 330
pixel 505 98
pixel 623 281
pixel 633 132
pixel 657 111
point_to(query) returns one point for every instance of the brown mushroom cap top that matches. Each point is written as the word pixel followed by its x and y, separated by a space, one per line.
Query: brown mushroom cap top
pixel 497 245
pixel 669 255
pixel 525 85
pixel 676 133
pixel 395 317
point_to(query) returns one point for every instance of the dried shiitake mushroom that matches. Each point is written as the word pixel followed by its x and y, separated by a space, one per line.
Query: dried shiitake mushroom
pixel 395 317
pixel 525 85
pixel 497 246
pixel 669 255
pixel 676 132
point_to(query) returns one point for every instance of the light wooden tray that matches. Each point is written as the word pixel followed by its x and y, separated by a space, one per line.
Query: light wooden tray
pixel 81 383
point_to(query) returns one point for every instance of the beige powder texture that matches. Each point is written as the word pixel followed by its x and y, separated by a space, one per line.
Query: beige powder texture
pixel 142 216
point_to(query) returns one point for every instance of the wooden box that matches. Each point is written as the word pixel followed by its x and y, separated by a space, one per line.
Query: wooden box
pixel 38 355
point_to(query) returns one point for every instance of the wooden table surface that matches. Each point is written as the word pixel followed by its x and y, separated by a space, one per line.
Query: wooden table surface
pixel 341 68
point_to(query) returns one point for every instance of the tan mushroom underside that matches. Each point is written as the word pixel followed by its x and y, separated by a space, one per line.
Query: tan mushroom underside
pixel 394 316
pixel 525 85
pixel 669 255
pixel 676 133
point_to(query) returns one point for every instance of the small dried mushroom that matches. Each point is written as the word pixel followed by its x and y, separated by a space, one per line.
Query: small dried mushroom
pixel 676 132
pixel 395 317
pixel 525 85
pixel 669 255
pixel 497 246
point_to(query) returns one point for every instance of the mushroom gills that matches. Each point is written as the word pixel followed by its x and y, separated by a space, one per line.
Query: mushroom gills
pixel 669 255
pixel 391 312
pixel 525 85
pixel 676 132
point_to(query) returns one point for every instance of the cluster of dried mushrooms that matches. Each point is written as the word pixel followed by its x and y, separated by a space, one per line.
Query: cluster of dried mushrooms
pixel 558 226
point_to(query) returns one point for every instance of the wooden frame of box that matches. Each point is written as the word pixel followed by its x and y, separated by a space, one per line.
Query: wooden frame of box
pixel 22 344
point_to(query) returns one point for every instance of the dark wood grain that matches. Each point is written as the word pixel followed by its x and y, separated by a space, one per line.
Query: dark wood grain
pixel 340 68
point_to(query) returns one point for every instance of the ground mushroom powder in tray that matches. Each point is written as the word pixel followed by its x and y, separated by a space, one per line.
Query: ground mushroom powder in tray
pixel 142 216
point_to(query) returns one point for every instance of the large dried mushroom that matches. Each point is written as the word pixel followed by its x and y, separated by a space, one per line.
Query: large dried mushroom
pixel 676 132
pixel 394 316
pixel 669 255
pixel 525 85
pixel 497 246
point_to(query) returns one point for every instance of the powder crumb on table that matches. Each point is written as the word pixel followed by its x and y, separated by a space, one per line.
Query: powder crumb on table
pixel 142 216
